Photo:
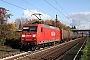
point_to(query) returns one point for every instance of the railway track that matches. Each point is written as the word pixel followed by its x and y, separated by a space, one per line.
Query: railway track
pixel 8 52
pixel 47 53
pixel 74 52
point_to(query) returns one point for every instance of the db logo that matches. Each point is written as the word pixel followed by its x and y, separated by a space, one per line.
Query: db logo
pixel 53 33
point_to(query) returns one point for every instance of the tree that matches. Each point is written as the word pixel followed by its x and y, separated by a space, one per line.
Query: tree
pixel 74 27
pixel 4 28
pixel 12 26
pixel 18 23
pixel 4 15
pixel 26 21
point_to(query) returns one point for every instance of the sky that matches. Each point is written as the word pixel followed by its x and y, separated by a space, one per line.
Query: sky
pixel 69 12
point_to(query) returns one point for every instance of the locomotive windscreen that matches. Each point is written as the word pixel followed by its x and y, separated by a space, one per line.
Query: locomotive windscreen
pixel 29 29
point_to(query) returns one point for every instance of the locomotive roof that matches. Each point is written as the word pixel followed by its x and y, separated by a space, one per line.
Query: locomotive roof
pixel 46 26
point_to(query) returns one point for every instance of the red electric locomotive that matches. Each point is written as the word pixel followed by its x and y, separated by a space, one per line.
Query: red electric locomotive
pixel 35 35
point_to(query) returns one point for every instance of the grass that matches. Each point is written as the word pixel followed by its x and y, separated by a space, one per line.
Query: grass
pixel 4 47
pixel 85 51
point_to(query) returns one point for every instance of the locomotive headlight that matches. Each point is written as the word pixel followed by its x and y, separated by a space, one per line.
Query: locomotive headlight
pixel 34 35
pixel 23 35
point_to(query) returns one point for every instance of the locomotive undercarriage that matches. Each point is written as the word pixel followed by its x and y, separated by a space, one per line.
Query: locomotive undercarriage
pixel 26 46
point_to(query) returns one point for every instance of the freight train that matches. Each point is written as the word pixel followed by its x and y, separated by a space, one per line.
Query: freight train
pixel 34 36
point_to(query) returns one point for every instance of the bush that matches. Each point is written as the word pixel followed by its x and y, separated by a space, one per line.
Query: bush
pixel 2 41
pixel 85 50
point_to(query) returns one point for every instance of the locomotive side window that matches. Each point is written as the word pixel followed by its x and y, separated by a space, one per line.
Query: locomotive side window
pixel 25 29
pixel 29 29
pixel 41 29
pixel 33 29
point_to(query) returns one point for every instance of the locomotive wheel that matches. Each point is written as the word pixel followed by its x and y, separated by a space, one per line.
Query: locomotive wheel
pixel 42 46
pixel 49 44
pixel 33 48
pixel 37 47
pixel 26 49
pixel 21 49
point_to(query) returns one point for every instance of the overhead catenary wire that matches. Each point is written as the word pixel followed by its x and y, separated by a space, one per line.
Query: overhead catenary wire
pixel 60 6
pixel 31 5
pixel 28 3
pixel 19 6
pixel 54 8
pixel 34 6
pixel 62 9
pixel 14 5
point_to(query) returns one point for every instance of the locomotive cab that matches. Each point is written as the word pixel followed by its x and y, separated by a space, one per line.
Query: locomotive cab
pixel 29 34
